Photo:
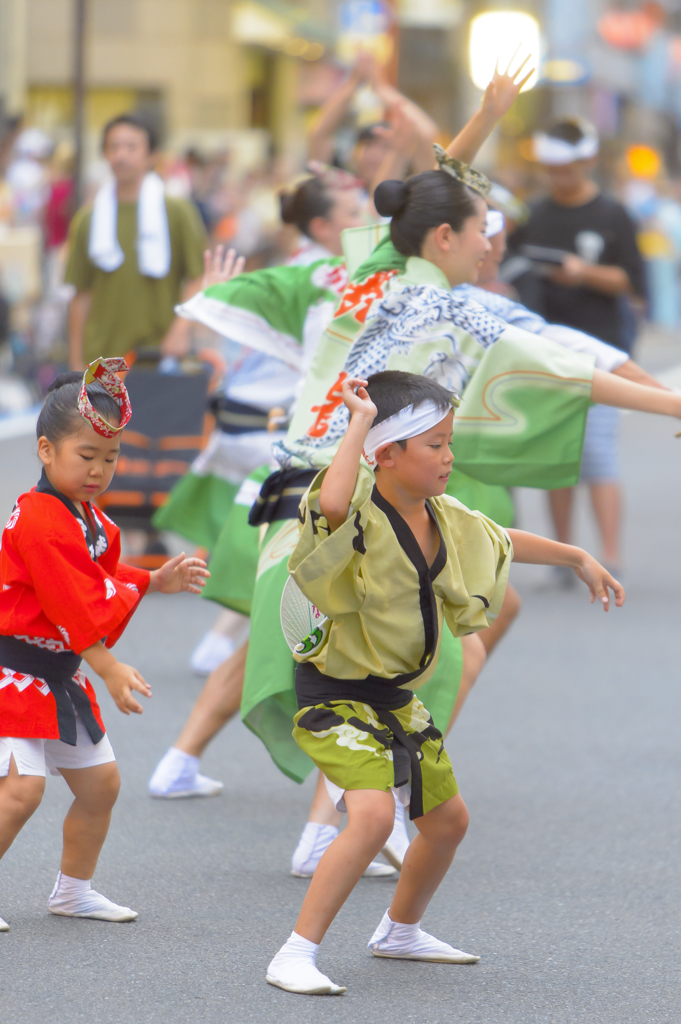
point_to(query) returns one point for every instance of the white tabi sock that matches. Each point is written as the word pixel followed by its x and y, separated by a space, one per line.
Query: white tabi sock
pixel 177 775
pixel 294 969
pixel 398 842
pixel 313 844
pixel 410 942
pixel 75 897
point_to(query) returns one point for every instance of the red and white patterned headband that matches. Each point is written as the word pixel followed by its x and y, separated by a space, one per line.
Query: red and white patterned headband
pixel 103 371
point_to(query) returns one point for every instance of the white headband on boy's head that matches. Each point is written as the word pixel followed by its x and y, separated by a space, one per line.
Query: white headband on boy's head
pixel 406 423
pixel 557 152
pixel 495 223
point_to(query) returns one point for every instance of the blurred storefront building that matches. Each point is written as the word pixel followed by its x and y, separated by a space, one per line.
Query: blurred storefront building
pixel 211 73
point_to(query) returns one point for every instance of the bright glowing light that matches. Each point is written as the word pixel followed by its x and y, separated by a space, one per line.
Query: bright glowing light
pixel 496 35
pixel 643 161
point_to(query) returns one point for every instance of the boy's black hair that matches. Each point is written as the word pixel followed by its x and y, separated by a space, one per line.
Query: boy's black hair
pixel 421 203
pixel 135 121
pixel 568 131
pixel 311 199
pixel 394 390
pixel 59 416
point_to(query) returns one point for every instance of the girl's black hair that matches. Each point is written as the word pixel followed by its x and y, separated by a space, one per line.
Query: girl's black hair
pixel 394 390
pixel 311 199
pixel 59 416
pixel 421 203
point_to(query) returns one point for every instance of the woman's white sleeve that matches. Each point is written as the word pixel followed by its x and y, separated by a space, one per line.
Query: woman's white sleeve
pixel 607 356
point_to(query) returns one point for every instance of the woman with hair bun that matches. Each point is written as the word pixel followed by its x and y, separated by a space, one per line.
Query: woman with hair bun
pixel 521 421
pixel 321 207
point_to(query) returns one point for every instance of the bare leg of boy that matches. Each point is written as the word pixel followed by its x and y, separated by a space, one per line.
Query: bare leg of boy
pixel 85 828
pixel 370 814
pixel 399 935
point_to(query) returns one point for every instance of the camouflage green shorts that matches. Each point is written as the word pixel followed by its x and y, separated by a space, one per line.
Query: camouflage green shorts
pixel 357 747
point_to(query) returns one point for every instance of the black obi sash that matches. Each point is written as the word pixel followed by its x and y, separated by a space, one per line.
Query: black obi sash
pixel 57 668
pixel 384 698
pixel 233 417
pixel 280 496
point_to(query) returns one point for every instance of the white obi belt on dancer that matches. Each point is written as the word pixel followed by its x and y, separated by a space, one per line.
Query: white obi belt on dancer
pixel 406 423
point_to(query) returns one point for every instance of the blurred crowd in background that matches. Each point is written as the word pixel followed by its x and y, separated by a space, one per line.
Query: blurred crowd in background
pixel 334 101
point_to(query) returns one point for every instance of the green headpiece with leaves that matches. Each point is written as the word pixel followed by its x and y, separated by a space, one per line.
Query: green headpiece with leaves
pixel 462 172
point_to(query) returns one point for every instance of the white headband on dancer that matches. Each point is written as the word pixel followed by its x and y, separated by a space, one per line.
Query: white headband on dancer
pixel 495 223
pixel 558 152
pixel 406 423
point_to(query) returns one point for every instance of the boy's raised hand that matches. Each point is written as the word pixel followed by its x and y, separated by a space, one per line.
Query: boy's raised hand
pixel 178 574
pixel 600 582
pixel 356 398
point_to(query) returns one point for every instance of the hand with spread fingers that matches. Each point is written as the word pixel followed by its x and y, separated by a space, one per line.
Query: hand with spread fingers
pixel 220 266
pixel 503 90
pixel 179 574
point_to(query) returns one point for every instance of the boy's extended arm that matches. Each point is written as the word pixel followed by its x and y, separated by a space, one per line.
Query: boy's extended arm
pixel 340 478
pixel 535 550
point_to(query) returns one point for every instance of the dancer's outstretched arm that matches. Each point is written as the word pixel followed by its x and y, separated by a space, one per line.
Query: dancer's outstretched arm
pixel 613 389
pixel 632 371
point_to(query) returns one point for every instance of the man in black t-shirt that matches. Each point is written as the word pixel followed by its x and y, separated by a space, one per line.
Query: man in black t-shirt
pixel 576 259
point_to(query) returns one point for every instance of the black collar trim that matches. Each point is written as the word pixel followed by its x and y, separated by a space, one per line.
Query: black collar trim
pixel 96 545
pixel 426 573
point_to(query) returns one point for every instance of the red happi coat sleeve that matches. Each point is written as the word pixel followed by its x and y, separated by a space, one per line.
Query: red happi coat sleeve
pixel 86 600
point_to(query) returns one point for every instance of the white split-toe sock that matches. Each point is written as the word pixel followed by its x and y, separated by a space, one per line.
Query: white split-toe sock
pixel 4 927
pixel 294 969
pixel 75 897
pixel 211 651
pixel 409 942
pixel 177 775
pixel 314 842
pixel 398 841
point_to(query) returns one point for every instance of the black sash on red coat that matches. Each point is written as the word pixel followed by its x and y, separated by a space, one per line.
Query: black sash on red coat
pixel 57 668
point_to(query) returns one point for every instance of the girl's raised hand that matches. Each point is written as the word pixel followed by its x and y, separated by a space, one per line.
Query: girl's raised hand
pixel 503 90
pixel 120 681
pixel 178 574
pixel 220 266
pixel 356 398
pixel 600 582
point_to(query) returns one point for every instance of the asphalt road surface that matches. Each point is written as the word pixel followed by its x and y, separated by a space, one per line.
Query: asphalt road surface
pixel 567 885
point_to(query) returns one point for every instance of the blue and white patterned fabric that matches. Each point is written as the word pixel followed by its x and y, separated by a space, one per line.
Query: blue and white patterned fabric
pixel 408 316
pixel 513 313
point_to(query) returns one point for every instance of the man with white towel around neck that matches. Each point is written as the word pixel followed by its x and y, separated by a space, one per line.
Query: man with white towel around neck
pixel 133 255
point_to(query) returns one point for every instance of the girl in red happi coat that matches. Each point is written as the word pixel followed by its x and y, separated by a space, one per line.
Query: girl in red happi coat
pixel 65 597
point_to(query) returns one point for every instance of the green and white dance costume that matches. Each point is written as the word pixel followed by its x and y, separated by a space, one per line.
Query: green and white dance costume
pixel 279 338
pixel 521 423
